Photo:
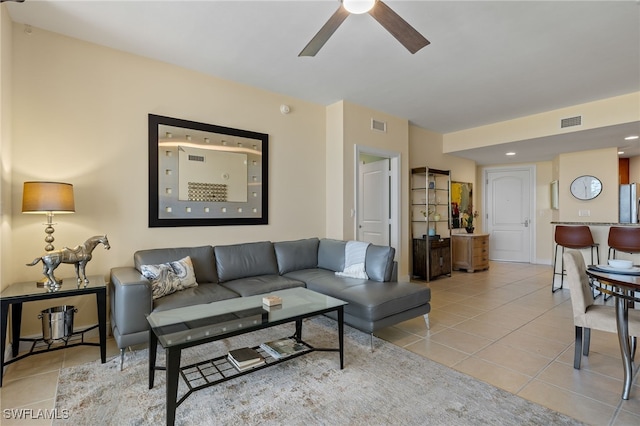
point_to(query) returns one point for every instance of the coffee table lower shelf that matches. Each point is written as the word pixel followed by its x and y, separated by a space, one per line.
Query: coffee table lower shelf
pixel 218 370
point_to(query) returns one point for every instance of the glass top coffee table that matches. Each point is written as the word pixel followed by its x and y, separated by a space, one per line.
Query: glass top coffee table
pixel 180 328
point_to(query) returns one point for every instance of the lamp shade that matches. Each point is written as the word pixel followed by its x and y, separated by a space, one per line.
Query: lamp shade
pixel 42 197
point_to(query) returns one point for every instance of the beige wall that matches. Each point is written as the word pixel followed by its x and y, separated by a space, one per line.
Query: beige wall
pixel 544 214
pixel 605 112
pixel 335 205
pixel 602 163
pixel 80 116
pixel 5 147
pixel 349 125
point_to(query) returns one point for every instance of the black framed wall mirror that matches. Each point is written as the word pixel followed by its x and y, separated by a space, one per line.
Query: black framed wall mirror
pixel 206 175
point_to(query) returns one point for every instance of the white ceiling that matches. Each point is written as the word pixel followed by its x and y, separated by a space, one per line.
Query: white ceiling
pixel 488 61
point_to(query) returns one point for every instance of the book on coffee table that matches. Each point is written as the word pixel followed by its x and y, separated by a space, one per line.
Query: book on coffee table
pixel 244 357
pixel 246 366
pixel 283 347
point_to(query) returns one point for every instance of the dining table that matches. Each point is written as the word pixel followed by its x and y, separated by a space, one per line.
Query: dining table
pixel 623 285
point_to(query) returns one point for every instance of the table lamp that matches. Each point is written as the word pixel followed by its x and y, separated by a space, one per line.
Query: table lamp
pixel 48 198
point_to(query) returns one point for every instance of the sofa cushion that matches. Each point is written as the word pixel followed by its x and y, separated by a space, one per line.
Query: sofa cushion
pixel 261 284
pixel 378 262
pixel 245 260
pixel 377 300
pixel 331 254
pixel 325 281
pixel 369 300
pixel 296 255
pixel 204 293
pixel 204 264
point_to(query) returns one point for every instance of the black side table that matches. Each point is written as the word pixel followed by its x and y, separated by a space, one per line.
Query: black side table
pixel 17 294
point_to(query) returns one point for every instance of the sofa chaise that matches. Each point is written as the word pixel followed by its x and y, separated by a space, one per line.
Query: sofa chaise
pixel 230 271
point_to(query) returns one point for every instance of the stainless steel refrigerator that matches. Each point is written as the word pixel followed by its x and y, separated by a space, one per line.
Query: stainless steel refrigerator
pixel 628 203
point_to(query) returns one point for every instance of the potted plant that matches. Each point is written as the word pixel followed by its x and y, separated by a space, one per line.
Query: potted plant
pixel 424 213
pixel 467 219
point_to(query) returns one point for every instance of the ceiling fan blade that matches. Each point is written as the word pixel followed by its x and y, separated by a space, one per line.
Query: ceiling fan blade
pixel 398 27
pixel 325 32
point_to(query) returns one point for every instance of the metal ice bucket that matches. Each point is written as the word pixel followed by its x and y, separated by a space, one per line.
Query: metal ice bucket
pixel 57 323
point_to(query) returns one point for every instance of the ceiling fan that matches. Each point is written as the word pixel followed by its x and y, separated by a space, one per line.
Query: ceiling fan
pixel 391 21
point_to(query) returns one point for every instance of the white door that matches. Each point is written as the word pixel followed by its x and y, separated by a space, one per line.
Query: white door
pixel 373 203
pixel 508 214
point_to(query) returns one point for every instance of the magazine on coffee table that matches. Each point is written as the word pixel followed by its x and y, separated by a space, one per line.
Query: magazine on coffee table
pixel 284 347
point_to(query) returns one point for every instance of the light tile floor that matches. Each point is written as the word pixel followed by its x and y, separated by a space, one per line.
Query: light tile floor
pixel 505 327
pixel 502 326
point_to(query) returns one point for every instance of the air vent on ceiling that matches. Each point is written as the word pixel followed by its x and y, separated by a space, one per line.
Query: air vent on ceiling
pixel 196 158
pixel 380 126
pixel 571 121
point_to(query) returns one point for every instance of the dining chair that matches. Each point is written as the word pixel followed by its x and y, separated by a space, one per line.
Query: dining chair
pixel 586 314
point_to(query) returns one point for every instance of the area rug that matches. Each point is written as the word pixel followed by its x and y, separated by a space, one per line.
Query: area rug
pixel 389 386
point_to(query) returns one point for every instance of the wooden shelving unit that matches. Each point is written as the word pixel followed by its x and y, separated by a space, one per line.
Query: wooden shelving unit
pixel 431 222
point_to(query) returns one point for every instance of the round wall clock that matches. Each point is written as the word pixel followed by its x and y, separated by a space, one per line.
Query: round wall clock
pixel 586 187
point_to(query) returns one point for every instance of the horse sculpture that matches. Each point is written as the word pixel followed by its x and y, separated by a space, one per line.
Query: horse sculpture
pixel 79 256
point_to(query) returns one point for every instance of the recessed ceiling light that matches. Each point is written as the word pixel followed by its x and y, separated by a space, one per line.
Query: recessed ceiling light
pixel 631 138
pixel 510 153
pixel 620 152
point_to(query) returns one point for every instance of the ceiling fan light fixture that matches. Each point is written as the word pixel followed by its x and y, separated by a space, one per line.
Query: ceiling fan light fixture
pixel 358 6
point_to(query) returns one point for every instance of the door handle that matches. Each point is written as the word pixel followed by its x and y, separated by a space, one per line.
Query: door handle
pixel 526 223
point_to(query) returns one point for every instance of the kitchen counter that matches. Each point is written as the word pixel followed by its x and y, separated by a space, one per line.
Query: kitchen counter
pixel 596 223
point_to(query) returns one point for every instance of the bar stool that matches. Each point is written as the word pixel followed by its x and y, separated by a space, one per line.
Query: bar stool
pixel 624 239
pixel 573 237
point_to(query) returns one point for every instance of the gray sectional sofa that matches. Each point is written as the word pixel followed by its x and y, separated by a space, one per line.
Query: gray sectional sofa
pixel 226 272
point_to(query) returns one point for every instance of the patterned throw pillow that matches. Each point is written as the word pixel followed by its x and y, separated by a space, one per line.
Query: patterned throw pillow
pixel 168 278
pixel 184 270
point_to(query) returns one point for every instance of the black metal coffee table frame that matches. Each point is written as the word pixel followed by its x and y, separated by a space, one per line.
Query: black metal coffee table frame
pixel 217 365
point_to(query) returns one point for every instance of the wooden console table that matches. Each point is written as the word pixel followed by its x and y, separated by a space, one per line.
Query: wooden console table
pixel 470 252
